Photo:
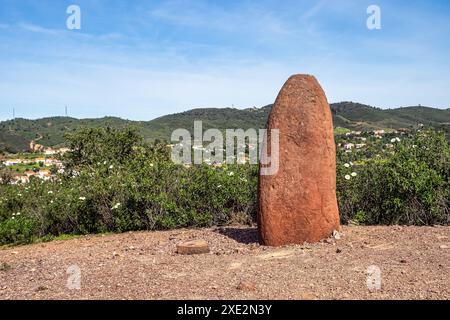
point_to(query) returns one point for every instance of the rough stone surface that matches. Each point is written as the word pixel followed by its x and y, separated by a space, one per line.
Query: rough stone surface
pixel 193 247
pixel 298 203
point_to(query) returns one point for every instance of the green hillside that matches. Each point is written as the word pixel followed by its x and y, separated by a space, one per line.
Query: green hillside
pixel 15 135
pixel 220 118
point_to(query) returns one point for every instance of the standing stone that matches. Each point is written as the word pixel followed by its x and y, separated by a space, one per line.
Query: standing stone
pixel 298 203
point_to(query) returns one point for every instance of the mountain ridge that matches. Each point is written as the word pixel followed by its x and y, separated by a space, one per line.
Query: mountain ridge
pixel 15 135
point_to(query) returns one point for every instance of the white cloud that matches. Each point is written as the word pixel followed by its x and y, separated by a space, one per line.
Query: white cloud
pixel 136 93
pixel 240 55
pixel 245 19
pixel 37 29
pixel 314 10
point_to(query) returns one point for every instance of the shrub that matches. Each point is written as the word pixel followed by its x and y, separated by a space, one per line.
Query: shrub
pixel 115 182
pixel 410 187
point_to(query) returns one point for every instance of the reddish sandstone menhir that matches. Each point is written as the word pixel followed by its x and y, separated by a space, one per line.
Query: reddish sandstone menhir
pixel 298 203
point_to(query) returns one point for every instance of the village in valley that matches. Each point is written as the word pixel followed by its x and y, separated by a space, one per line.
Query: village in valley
pixel 361 145
pixel 45 162
pixel 42 164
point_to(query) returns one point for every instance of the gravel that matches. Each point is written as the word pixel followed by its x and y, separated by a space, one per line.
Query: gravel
pixel 414 263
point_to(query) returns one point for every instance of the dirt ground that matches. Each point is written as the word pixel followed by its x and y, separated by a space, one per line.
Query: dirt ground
pixel 414 263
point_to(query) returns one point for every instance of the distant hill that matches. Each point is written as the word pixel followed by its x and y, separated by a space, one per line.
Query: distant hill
pixel 362 117
pixel 15 135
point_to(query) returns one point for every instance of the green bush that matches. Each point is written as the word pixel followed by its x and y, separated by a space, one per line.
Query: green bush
pixel 115 182
pixel 409 187
pixel 17 230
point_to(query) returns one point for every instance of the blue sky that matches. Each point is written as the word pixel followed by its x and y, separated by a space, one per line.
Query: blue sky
pixel 143 59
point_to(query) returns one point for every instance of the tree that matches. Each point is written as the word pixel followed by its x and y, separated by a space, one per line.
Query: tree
pixel 92 146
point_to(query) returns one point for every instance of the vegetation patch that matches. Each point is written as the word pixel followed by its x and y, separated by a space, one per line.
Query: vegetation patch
pixel 114 181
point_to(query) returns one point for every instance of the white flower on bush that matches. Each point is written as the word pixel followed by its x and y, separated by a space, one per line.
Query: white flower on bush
pixel 351 163
pixel 346 165
pixel 82 198
pixel 116 206
pixel 244 179
pixel 347 177
pixel 231 173
pixel 219 186
pixel 50 192
pixel 18 214
pixel 111 166
pixel 19 194
pixel 353 174
pixel 151 164
pixel 104 162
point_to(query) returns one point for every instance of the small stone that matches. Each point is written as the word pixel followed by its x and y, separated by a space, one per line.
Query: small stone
pixel 403 261
pixel 246 286
pixel 307 296
pixel 338 250
pixel 336 235
pixel 115 254
pixel 41 288
pixel 444 246
pixel 14 252
pixel 193 247
pixel 239 250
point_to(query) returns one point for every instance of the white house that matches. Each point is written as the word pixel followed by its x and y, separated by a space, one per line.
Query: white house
pixel 349 146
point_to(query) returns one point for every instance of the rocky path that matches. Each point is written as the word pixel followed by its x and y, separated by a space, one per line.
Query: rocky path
pixel 414 263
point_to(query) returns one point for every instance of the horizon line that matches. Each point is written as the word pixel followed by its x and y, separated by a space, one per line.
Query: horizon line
pixel 197 108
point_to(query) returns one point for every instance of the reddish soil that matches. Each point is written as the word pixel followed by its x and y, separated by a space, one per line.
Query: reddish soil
pixel 414 264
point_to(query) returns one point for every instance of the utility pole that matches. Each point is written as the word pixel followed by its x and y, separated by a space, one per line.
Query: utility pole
pixel 14 113
pixel 66 111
